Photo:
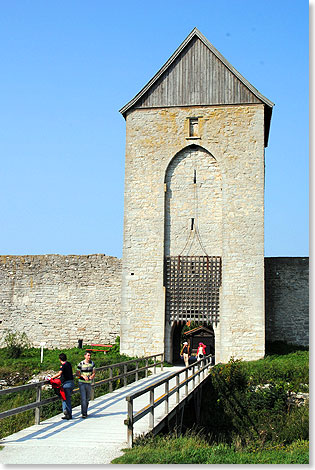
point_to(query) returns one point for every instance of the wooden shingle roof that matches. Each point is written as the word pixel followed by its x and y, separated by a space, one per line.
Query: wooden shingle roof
pixel 195 75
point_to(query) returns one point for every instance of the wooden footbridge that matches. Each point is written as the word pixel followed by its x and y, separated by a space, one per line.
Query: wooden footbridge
pixel 115 419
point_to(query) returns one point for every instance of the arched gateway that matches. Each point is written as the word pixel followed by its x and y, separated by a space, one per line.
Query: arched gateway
pixel 194 207
pixel 192 244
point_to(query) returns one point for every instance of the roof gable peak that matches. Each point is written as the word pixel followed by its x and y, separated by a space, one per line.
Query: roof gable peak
pixel 224 85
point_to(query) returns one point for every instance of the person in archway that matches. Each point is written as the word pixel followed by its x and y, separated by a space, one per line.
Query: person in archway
pixel 66 377
pixel 201 351
pixel 185 352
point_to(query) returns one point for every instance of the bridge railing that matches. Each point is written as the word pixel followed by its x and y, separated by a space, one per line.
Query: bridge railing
pixel 125 374
pixel 197 373
pixel 38 386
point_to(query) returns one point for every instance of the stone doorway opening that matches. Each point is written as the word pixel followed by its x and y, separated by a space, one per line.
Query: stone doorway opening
pixel 194 334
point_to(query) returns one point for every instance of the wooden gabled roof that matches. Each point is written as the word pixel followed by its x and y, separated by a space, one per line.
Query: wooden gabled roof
pixel 197 330
pixel 195 75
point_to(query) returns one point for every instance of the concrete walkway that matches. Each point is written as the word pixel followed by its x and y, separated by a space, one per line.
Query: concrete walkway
pixel 95 440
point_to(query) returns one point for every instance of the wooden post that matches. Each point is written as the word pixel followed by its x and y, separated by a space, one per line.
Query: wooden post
pixel 38 399
pixel 92 389
pixel 137 373
pixel 125 378
pixel 111 379
pixel 177 388
pixel 197 403
pixel 129 422
pixel 151 414
pixel 194 378
pixel 186 385
pixel 166 400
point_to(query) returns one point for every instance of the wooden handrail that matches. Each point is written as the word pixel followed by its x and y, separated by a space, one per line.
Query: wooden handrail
pixel 38 385
pixel 154 402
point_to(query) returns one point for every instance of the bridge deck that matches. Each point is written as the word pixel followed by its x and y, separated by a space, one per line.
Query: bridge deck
pixel 95 440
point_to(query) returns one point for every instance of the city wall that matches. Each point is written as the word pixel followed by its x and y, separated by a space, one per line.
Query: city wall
pixel 60 299
pixel 287 300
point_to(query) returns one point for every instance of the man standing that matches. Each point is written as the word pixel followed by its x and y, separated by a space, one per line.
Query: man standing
pixel 85 372
pixel 66 377
pixel 185 352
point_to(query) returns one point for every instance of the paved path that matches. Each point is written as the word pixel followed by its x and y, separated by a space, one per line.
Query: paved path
pixel 95 440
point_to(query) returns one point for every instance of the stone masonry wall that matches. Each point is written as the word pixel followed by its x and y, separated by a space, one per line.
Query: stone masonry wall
pixel 234 136
pixel 60 299
pixel 287 300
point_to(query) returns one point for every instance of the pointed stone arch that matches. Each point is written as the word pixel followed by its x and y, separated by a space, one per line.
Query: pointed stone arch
pixel 192 241
pixel 193 190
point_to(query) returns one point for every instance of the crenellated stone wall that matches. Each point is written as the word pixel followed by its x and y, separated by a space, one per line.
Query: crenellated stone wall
pixel 60 299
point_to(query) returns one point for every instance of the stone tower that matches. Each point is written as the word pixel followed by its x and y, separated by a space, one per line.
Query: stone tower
pixel 194 207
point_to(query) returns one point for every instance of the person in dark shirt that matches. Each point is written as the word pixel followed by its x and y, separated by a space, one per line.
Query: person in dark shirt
pixel 66 377
pixel 185 352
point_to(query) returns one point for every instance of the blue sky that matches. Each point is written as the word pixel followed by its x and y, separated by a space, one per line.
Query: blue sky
pixel 68 67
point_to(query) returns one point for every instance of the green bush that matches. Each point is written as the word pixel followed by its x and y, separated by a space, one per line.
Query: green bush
pixel 246 402
pixel 16 343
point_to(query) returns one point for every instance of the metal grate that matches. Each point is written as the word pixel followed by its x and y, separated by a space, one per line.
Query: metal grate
pixel 192 288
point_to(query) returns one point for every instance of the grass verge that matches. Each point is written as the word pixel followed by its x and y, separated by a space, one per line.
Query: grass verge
pixel 196 450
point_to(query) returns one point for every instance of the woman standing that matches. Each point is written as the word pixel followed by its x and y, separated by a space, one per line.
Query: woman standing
pixel 201 351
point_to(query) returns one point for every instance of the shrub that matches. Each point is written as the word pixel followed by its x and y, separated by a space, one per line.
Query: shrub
pixel 115 349
pixel 16 343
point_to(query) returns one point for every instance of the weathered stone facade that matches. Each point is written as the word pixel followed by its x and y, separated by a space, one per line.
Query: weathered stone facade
pixel 287 300
pixel 60 299
pixel 233 139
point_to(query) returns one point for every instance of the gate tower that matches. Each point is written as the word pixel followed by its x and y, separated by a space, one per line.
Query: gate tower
pixel 194 206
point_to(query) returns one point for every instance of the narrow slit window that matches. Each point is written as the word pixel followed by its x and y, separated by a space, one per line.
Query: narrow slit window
pixel 193 127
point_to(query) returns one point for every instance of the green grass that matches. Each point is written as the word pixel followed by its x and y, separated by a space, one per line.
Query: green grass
pixel 291 368
pixel 196 450
pixel 29 362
